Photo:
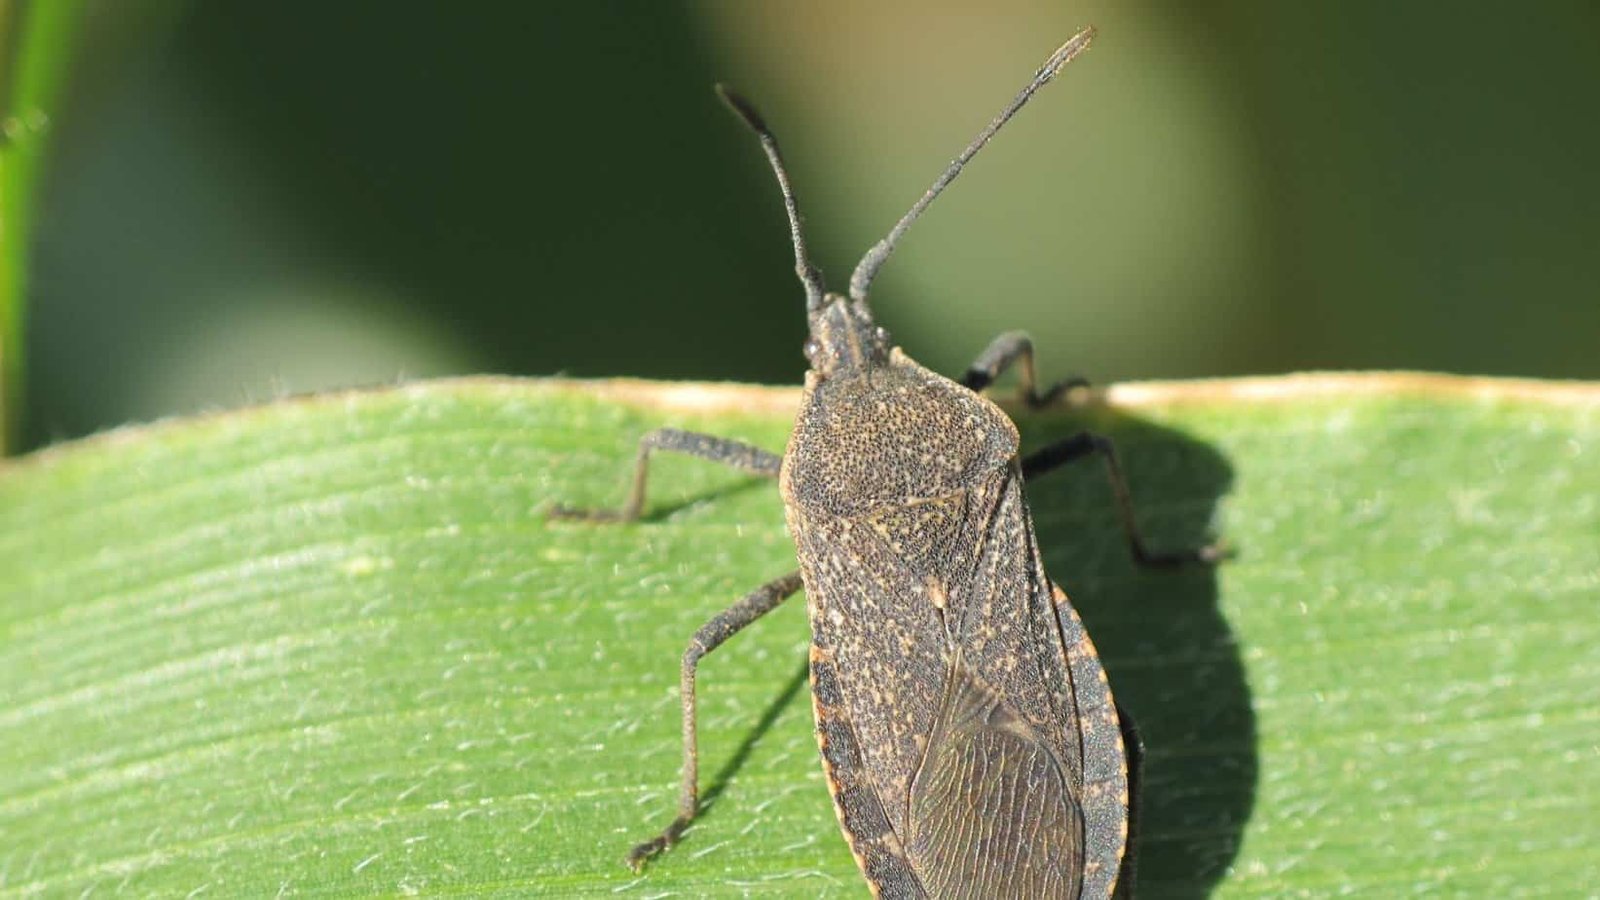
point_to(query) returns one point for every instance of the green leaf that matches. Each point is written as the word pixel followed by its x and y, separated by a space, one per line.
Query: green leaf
pixel 330 645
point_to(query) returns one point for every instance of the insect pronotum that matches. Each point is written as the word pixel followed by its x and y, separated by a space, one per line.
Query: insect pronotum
pixel 967 730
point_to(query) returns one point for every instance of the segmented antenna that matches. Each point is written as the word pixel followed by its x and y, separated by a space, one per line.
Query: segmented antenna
pixel 868 268
pixel 809 274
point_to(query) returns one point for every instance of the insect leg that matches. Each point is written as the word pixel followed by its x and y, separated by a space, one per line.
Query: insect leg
pixel 1087 444
pixel 1134 748
pixel 719 450
pixel 1003 352
pixel 722 626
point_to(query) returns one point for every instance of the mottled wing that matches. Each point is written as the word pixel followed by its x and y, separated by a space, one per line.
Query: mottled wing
pixel 1104 791
pixel 873 842
pixel 993 812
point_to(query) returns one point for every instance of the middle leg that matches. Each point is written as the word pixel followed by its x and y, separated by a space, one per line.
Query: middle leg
pixel 1087 443
pixel 722 626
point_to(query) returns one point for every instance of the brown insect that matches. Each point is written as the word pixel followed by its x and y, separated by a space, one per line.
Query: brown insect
pixel 967 729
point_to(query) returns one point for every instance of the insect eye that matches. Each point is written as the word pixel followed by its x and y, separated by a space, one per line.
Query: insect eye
pixel 881 334
pixel 811 348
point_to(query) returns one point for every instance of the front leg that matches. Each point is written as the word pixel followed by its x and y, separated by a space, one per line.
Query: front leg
pixel 1009 349
pixel 722 626
pixel 718 450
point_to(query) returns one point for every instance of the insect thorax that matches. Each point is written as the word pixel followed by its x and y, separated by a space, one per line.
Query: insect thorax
pixel 888 436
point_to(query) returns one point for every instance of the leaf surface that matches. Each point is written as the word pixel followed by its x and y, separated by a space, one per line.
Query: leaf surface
pixel 330 645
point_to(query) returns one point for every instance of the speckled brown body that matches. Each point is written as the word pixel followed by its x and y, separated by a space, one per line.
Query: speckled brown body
pixel 967 730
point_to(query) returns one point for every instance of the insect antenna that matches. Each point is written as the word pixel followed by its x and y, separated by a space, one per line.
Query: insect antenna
pixel 867 269
pixel 810 276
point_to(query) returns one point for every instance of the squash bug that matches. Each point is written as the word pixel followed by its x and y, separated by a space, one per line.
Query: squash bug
pixel 967 729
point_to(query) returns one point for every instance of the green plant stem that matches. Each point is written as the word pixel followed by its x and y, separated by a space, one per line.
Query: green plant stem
pixel 37 41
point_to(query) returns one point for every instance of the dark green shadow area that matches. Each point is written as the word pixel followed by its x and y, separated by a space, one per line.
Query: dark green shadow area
pixel 1173 661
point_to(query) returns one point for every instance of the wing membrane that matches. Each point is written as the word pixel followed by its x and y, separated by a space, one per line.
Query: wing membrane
pixel 992 810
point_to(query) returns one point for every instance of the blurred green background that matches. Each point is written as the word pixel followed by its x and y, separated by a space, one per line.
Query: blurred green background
pixel 246 199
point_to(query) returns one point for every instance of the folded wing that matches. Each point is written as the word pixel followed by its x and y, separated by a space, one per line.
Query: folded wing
pixel 992 808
